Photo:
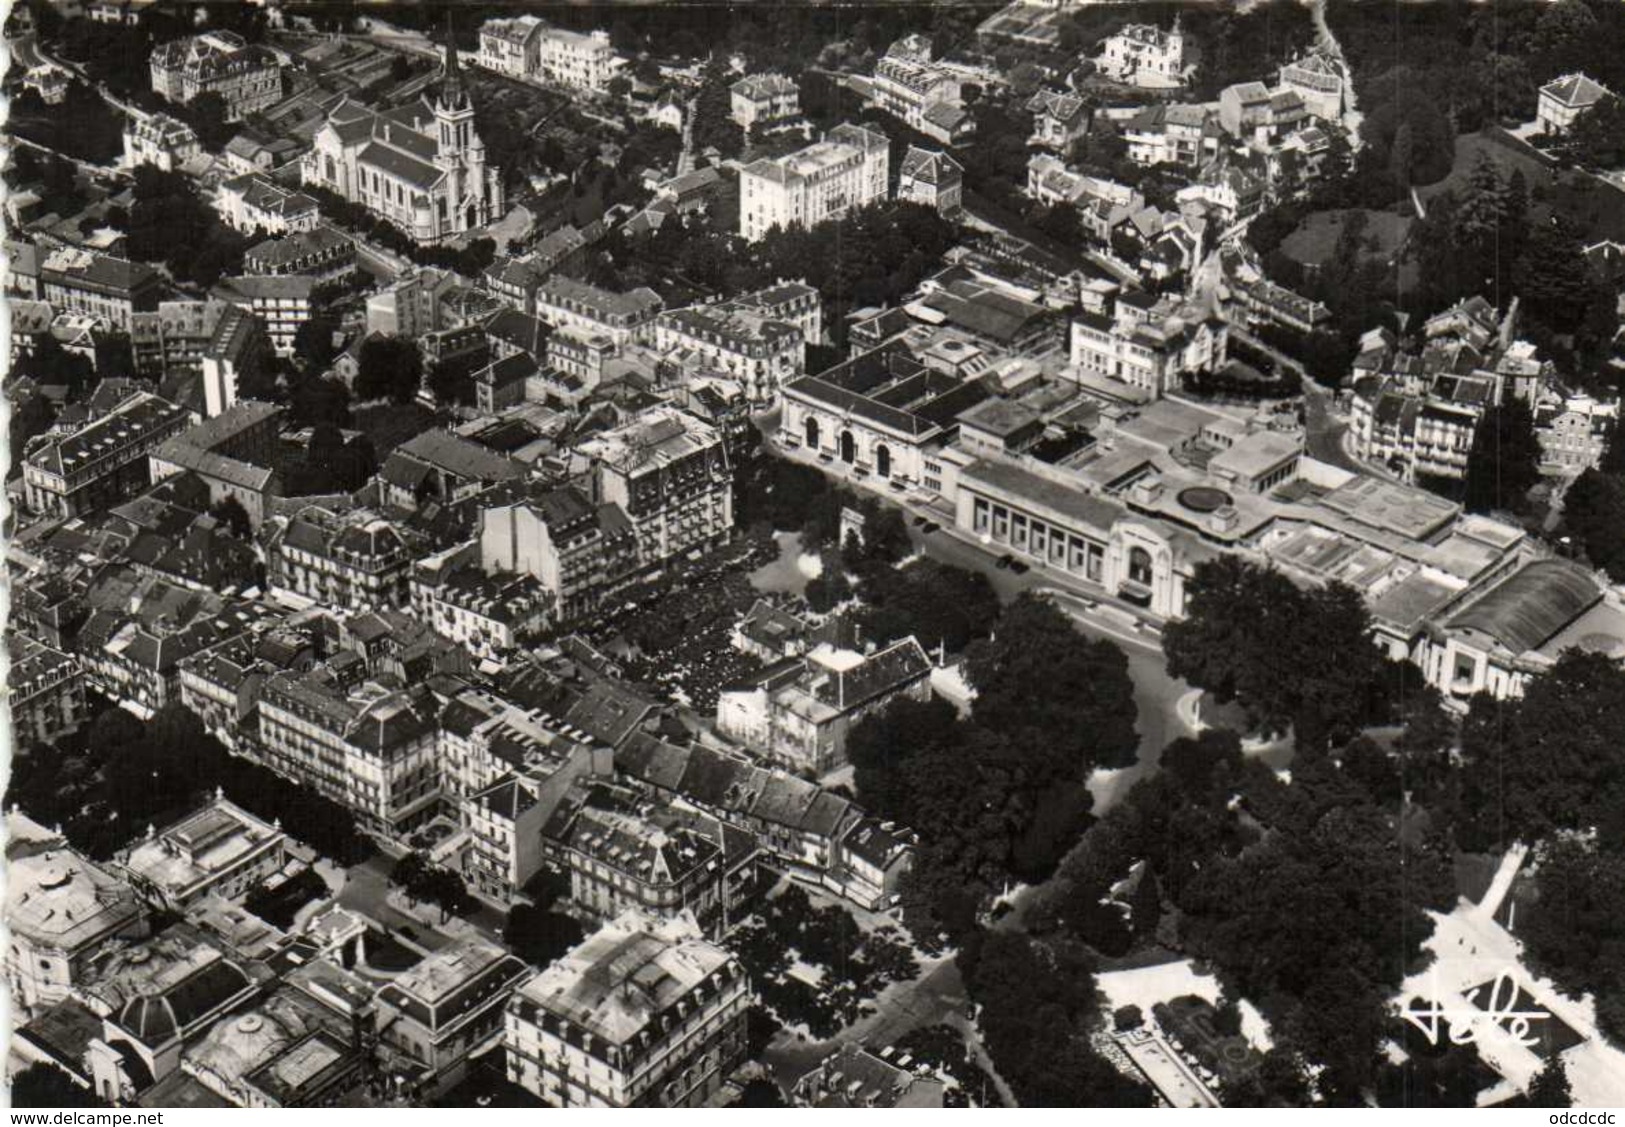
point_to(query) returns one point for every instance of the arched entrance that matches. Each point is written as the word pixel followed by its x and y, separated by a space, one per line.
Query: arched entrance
pixel 1135 585
pixel 849 448
pixel 883 460
pixel 813 436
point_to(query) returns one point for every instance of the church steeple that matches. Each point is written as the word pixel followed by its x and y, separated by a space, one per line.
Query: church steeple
pixel 453 94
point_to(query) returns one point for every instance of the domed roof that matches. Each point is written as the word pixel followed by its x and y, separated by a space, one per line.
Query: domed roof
pixel 159 1017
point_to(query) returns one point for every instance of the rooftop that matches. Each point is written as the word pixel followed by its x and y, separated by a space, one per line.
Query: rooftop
pixel 620 982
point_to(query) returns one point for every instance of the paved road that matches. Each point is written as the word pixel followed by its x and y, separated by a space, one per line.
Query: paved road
pixel 1324 430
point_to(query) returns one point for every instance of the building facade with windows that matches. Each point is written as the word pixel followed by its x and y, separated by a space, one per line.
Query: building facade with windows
pixel 668 471
pixel 75 280
pixel 823 181
pixel 61 910
pixel 103 462
pixel 644 1013
pixel 220 850
pixel 764 98
pixel 369 749
pixel 247 78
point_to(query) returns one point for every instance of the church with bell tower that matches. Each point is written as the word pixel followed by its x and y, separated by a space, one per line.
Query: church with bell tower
pixel 420 167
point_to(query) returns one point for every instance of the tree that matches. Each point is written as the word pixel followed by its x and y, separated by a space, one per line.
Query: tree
pixel 313 341
pixel 44 1085
pixel 1594 515
pixel 230 512
pixel 1068 700
pixel 1550 1087
pixel 1598 136
pixel 1557 283
pixel 1503 463
pixel 1550 760
pixel 618 87
pixel 1290 657
pixel 1578 935
pixel 389 367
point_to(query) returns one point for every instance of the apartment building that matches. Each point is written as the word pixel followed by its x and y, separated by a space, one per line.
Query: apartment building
pixel 577 549
pixel 590 311
pixel 668 472
pixel 248 79
pixel 795 302
pixel 526 47
pixel 159 140
pixel 75 280
pixel 370 749
pixel 219 850
pixel 46 691
pixel 488 615
pixel 662 862
pixel 281 303
pixel 797 713
pixel 343 558
pixel 256 202
pixel 907 83
pixel 811 834
pixel 644 1013
pixel 764 99
pixel 1149 345
pixel 323 253
pixel 1574 431
pixel 170 339
pixel 238 353
pixel 450 1008
pixel 232 453
pixel 931 179
pixel 737 339
pixel 102 462
pixel 823 181
pixel 1183 135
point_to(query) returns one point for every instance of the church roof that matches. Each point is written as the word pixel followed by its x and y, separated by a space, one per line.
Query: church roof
pixel 400 165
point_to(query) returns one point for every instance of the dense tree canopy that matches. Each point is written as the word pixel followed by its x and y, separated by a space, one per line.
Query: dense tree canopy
pixel 1551 760
pixel 1038 1004
pixel 1594 515
pixel 1289 656
pixel 389 367
pixel 1578 933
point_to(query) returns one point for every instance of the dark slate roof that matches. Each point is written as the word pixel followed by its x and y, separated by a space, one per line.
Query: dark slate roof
pixel 401 165
pixel 1532 605
pixel 156 1018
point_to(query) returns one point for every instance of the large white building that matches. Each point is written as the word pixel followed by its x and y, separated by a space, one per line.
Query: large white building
pixel 1145 55
pixel 758 350
pixel 247 78
pixel 1148 345
pixel 764 98
pixel 823 181
pixel 526 47
pixel 644 1013
pixel 159 140
pixel 907 82
pixel 60 910
pixel 668 472
pixel 421 167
